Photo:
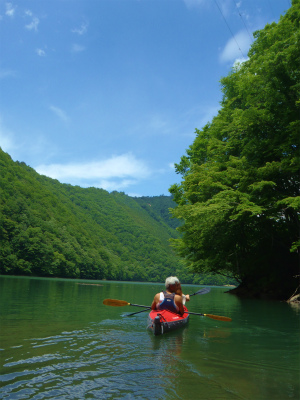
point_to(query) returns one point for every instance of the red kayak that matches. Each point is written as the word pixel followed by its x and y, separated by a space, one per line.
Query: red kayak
pixel 162 321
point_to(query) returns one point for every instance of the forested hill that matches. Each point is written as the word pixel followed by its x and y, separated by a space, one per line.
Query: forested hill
pixel 53 229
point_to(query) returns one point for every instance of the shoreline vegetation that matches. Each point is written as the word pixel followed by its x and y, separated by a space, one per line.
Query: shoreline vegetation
pixel 241 175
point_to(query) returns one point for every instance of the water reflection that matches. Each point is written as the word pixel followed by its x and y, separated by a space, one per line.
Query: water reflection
pixel 216 333
pixel 169 343
pixel 295 307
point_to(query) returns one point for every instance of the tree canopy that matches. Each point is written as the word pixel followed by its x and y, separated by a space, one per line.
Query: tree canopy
pixel 239 197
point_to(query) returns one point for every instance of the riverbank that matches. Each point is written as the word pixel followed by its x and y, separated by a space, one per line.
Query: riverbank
pixel 257 292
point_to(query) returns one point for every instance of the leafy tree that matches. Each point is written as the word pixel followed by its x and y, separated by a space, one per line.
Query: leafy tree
pixel 239 198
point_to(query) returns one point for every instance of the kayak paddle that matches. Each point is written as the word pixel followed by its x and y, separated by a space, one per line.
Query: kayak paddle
pixel 121 303
pixel 201 291
pixel 217 317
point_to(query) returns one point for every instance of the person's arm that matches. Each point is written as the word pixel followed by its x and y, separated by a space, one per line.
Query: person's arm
pixel 179 290
pixel 155 301
pixel 185 297
pixel 178 302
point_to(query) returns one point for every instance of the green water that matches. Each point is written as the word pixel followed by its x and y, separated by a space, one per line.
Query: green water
pixel 58 341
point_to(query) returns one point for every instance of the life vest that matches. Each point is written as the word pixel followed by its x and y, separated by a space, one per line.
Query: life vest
pixel 167 302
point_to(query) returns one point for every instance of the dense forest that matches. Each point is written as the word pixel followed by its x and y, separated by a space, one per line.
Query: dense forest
pixel 239 198
pixel 53 229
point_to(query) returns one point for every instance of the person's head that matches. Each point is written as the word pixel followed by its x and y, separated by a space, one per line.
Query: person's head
pixel 172 282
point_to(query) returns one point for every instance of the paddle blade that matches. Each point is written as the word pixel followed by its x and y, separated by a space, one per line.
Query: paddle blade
pixel 218 317
pixel 115 303
pixel 201 291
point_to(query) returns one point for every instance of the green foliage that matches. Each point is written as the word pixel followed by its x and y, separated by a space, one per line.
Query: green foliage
pixel 51 229
pixel 159 209
pixel 239 198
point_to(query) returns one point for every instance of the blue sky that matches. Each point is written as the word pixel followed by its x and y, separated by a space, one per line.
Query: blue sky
pixel 108 93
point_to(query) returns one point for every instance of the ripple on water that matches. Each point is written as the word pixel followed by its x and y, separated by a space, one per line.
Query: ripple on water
pixel 101 362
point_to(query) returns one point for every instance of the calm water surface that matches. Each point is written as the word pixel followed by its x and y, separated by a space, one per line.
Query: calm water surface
pixel 58 341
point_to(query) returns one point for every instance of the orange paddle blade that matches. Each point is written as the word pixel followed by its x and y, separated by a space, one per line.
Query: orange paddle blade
pixel 115 303
pixel 218 317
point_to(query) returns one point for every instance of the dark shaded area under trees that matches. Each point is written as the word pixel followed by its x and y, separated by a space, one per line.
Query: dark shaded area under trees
pixel 239 199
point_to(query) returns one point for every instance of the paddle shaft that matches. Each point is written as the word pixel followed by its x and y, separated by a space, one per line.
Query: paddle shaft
pixel 217 317
pixel 147 309
pixel 138 305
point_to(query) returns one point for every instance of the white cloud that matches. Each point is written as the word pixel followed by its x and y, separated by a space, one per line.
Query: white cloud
pixel 115 185
pixel 122 166
pixel 237 62
pixel 77 48
pixel 60 113
pixel 10 10
pixel 33 26
pixel 115 173
pixel 134 194
pixel 82 30
pixel 40 52
pixel 236 47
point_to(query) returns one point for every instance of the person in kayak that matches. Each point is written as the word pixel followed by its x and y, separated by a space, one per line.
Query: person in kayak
pixel 172 298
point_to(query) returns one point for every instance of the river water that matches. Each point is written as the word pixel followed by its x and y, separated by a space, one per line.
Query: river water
pixel 58 341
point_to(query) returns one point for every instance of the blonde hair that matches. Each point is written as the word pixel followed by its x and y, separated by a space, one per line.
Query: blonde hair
pixel 171 280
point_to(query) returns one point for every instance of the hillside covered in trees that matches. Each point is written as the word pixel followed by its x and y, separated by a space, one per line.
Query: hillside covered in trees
pixel 53 229
pixel 239 199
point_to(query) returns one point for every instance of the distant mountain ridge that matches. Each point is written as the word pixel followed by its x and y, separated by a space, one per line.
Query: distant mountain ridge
pixel 53 229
